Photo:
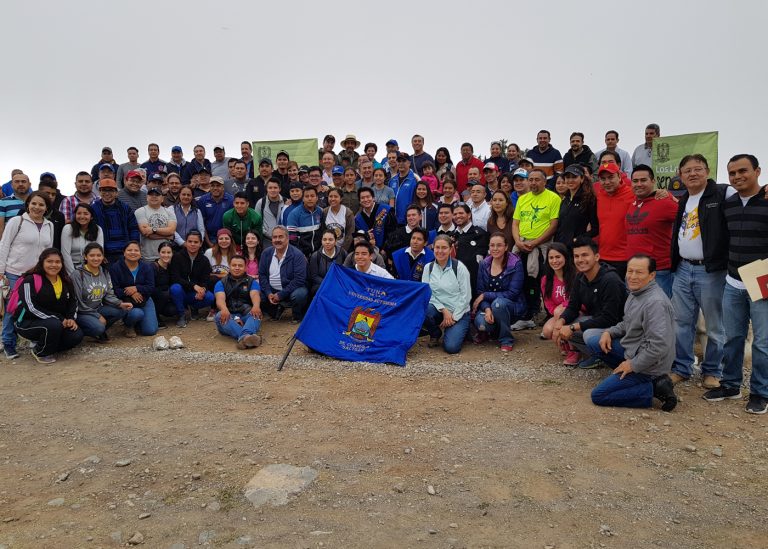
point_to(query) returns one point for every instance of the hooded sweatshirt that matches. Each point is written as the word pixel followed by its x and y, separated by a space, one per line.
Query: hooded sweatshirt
pixel 647 331
pixel 602 299
pixel 611 215
pixel 93 291
pixel 22 244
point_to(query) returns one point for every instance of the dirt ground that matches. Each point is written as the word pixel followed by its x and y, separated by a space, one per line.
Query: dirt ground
pixel 518 460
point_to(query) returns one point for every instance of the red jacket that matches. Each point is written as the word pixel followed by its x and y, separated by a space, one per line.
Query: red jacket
pixel 462 169
pixel 649 224
pixel 611 214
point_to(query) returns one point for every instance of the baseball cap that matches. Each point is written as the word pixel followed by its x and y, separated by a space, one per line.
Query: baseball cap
pixel 216 180
pixel 107 166
pixel 265 161
pixel 329 137
pixel 337 170
pixel 360 232
pixel 283 153
pixel 133 173
pixel 154 190
pixel 156 177
pixel 107 183
pixel 48 175
pixel 218 147
pixel 296 185
pixel 528 160
pixel 610 168
pixel 392 142
pixel 520 172
pixel 304 169
pixel 176 149
pixel 403 156
pixel 491 166
pixel 204 170
pixel 575 169
pixel 107 149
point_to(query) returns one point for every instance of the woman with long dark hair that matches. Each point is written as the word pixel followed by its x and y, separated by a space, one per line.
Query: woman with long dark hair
pixel 500 220
pixel 134 282
pixel 578 209
pixel 321 260
pixel 161 296
pixel 188 216
pixel 252 253
pixel 443 162
pixel 77 234
pixel 556 285
pixel 422 197
pixel 47 307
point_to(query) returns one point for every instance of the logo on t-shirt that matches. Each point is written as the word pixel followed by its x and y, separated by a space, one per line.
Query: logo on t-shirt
pixel 689 228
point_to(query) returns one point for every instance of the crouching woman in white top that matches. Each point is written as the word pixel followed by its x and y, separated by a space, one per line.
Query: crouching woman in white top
pixel 448 310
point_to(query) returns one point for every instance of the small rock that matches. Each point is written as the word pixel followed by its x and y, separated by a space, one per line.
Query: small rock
pixel 690 448
pixel 196 476
pixel 399 488
pixel 274 484
pixel 432 531
pixel 244 540
pixel 117 537
pixel 62 477
pixel 57 502
pixel 717 452
pixel 122 463
pixel 453 525
pixel 206 536
pixel 9 519
pixel 320 533
pixel 407 450
pixel 214 506
pixel 178 545
pixel 606 530
pixel 144 516
pixel 431 490
pixel 92 459
pixel 549 546
pixel 136 539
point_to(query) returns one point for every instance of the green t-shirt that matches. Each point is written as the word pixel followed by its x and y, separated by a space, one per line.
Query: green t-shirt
pixel 535 211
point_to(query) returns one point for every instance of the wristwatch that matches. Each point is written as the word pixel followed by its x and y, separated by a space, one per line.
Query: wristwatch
pixel 154 230
pixel 572 327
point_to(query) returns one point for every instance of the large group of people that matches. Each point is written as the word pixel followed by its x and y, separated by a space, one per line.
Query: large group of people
pixel 584 247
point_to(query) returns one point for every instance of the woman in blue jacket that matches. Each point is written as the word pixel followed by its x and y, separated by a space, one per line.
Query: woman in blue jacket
pixel 501 301
pixel 134 281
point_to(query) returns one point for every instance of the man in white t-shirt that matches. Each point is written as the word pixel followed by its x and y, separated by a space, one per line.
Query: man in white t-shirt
pixel 156 224
pixel 364 263
pixel 481 211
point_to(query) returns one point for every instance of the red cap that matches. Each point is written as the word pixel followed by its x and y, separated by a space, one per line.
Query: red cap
pixel 610 168
pixel 133 173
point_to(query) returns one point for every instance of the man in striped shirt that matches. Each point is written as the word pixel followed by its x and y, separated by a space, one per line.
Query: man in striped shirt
pixel 13 205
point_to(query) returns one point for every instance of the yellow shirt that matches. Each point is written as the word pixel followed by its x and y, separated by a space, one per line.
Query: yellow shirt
pixel 535 211
pixel 58 287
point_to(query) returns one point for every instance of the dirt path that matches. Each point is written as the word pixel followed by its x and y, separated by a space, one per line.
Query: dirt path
pixel 521 461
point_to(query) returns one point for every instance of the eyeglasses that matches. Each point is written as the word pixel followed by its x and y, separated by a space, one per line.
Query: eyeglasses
pixel 107 190
pixel 689 171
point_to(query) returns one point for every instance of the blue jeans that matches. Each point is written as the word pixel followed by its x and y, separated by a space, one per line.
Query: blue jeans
pixel 9 330
pixel 693 289
pixel 234 330
pixel 740 309
pixel 664 280
pixel 182 299
pixel 592 341
pixel 634 391
pixel 453 337
pixel 297 302
pixel 143 319
pixel 90 324
pixel 503 317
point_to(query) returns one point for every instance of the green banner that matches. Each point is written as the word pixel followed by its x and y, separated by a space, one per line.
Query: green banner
pixel 668 151
pixel 301 151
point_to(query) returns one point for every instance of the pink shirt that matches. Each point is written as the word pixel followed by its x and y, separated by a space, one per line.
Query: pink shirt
pixel 558 297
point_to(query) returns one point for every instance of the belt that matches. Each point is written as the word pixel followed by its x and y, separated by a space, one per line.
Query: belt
pixel 693 261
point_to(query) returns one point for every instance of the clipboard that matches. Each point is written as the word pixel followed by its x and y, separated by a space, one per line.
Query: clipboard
pixel 755 277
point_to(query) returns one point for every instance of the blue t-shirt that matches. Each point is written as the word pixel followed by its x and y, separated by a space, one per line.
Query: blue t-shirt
pixel 10 206
pixel 219 287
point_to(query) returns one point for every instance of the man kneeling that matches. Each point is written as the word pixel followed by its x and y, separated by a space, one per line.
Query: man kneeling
pixel 238 300
pixel 643 357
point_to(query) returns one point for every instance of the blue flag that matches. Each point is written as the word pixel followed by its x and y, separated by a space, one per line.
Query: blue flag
pixel 360 317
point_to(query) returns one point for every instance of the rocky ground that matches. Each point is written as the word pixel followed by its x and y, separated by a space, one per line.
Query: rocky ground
pixel 120 445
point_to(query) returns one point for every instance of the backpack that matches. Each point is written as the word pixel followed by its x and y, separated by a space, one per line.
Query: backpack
pixel 13 298
pixel 454 267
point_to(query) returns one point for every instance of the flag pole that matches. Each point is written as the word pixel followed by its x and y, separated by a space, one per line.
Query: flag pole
pixel 291 343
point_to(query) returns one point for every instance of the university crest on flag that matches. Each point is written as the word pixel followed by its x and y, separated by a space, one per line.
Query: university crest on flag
pixel 360 317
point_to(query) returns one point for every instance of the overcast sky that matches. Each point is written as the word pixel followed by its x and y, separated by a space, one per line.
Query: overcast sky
pixel 79 75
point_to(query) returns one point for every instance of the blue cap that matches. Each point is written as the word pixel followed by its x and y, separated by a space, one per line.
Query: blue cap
pixel 48 175
pixel 156 177
pixel 107 166
pixel 176 149
pixel 392 142
pixel 337 170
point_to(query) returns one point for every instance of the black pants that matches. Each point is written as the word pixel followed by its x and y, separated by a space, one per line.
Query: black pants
pixel 532 287
pixel 49 335
pixel 163 304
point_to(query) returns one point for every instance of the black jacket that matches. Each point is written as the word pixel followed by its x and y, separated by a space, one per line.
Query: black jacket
pixel 188 272
pixel 575 216
pixel 714 233
pixel 471 248
pixel 603 299
pixel 320 264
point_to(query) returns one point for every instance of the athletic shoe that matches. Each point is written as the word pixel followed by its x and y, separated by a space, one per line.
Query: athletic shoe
pixel 590 363
pixel 721 393
pixel 664 390
pixel 572 358
pixel 543 337
pixel 43 359
pixel 241 344
pixel 677 378
pixel 279 310
pixel 130 332
pixel 433 342
pixel 161 325
pixel 710 382
pixel 252 341
pixel 182 322
pixel 523 325
pixel 757 404
pixel 11 354
pixel 506 348
pixel 211 315
pixel 479 338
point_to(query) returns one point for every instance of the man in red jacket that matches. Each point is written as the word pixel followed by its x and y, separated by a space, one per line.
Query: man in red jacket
pixel 468 160
pixel 649 224
pixel 614 197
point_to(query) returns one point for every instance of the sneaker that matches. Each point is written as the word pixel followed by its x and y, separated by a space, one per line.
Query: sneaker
pixel 664 390
pixel 479 338
pixel 130 332
pixel 11 354
pixel 433 342
pixel 211 315
pixel 182 322
pixel 757 404
pixel 161 325
pixel 278 312
pixel 252 341
pixel 506 348
pixel 103 338
pixel 572 358
pixel 523 325
pixel 721 393
pixel 710 382
pixel 677 378
pixel 542 336
pixel 175 342
pixel 241 344
pixel 43 359
pixel 590 363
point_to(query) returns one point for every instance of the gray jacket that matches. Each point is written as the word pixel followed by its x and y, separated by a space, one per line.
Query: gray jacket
pixel 647 331
pixel 93 291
